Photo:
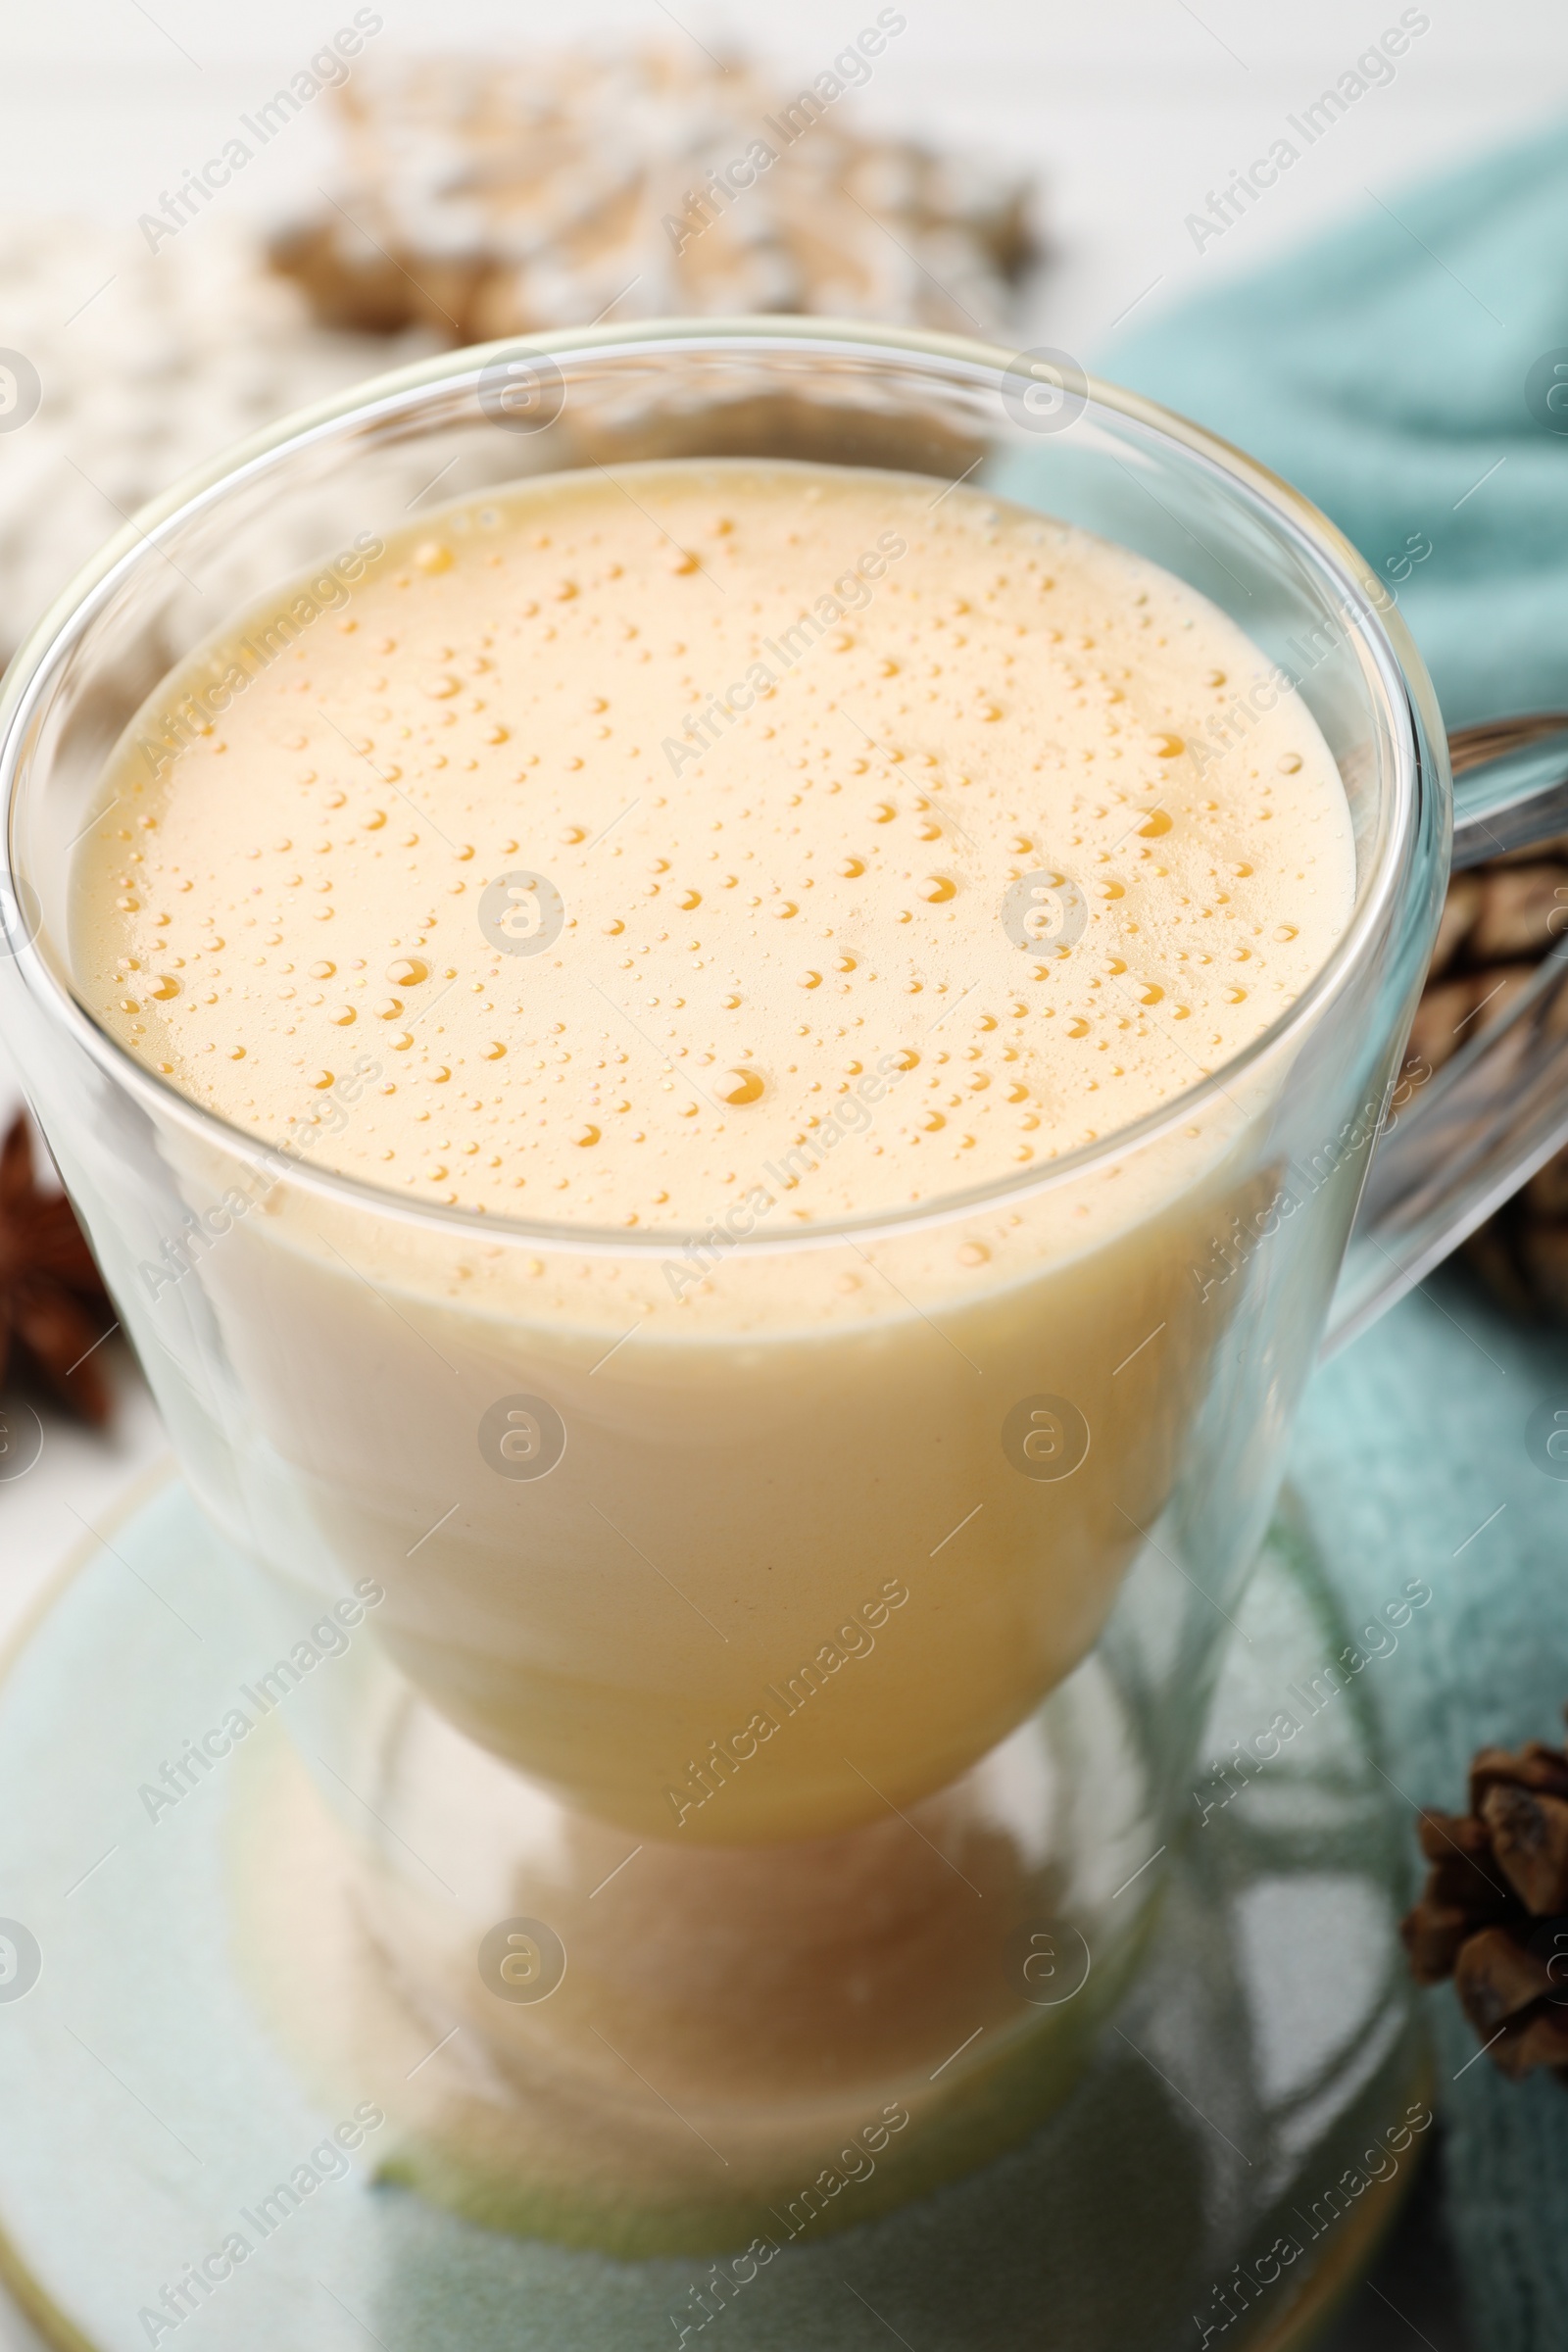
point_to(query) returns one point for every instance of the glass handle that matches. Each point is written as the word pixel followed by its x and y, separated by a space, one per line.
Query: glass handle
pixel 1510 785
pixel 1469 1137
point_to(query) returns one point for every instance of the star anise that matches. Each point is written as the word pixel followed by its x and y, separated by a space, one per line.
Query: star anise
pixel 54 1309
pixel 1493 1913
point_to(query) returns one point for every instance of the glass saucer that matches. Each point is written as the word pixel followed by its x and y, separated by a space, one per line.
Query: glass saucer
pixel 1249 2113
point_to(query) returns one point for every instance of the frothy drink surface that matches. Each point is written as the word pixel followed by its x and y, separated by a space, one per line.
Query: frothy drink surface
pixel 644 832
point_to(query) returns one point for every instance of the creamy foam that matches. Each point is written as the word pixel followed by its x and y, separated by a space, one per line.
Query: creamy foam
pixel 779 749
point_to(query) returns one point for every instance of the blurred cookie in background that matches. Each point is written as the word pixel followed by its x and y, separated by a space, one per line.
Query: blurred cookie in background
pixel 126 367
pixel 483 197
pixel 478 197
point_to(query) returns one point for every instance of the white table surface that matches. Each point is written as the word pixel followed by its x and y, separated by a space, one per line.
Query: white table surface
pixel 1128 112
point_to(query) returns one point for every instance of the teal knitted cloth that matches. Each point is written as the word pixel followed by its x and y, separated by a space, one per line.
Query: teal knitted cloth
pixel 1384 370
pixel 1411 1441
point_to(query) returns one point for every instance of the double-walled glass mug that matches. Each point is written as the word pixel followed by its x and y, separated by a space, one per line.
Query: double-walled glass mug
pixel 779 1680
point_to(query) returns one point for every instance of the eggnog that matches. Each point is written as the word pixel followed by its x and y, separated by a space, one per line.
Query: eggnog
pixel 627 880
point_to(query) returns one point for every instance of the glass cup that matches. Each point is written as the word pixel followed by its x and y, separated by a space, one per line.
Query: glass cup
pixel 750 1614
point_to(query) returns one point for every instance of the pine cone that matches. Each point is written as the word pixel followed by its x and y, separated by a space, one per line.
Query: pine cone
pixel 1493 1914
pixel 1498 920
pixel 1497 926
pixel 1507 908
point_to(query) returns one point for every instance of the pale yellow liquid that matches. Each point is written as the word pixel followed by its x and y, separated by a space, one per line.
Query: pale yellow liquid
pixel 783 935
pixel 746 935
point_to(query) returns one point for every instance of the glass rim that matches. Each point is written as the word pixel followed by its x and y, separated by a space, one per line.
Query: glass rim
pixel 1324 548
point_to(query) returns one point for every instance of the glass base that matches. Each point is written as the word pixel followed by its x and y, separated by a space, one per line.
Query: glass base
pixel 192 2083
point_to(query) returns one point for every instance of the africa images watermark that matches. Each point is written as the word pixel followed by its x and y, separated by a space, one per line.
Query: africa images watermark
pixel 857 2162
pixel 1230 1253
pixel 855 1639
pixel 725 184
pixel 328 2161
pixel 328 70
pixel 850 1115
pixel 1312 646
pixel 199 708
pixel 1308 1696
pixel 1249 2282
pixel 203 1229
pixel 1373 69
pixel 851 593
pixel 328 1637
